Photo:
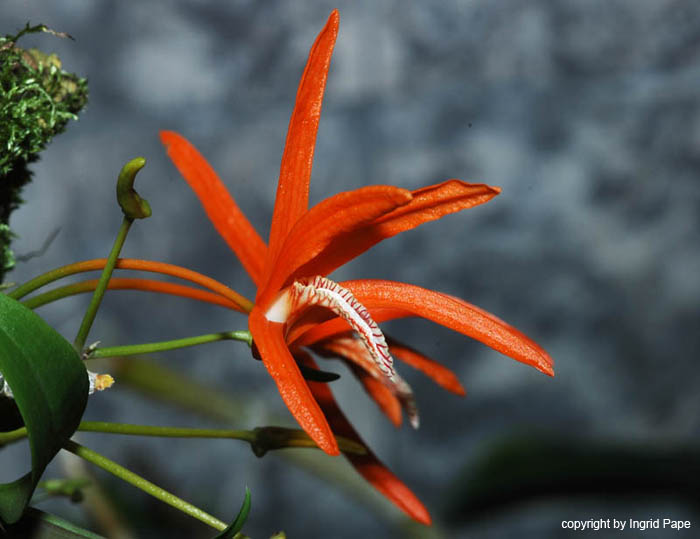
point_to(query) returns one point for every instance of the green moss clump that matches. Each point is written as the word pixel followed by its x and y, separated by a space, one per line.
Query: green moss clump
pixel 37 98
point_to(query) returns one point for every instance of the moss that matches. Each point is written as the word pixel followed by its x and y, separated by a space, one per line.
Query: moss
pixel 37 99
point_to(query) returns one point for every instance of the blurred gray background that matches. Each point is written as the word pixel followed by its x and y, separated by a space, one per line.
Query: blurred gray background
pixel 586 113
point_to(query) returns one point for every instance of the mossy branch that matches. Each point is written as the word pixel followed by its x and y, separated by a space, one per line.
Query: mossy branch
pixel 37 99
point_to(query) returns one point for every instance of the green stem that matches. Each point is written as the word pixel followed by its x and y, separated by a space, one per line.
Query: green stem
pixel 165 432
pixel 42 280
pixel 149 348
pixel 91 312
pixel 242 304
pixel 11 436
pixel 261 439
pixel 145 485
pixel 56 294
pixel 164 385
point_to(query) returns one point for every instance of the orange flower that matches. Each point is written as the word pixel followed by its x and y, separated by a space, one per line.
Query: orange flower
pixel 297 306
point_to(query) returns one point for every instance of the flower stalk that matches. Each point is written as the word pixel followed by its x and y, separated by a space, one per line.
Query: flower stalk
pixel 133 207
pixel 261 439
pixel 139 482
pixel 91 312
pixel 162 346
pixel 237 301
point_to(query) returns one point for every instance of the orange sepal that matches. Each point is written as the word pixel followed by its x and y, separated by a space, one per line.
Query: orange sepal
pixel 453 313
pixel 222 210
pixel 378 392
pixel 440 374
pixel 381 395
pixel 368 465
pixel 428 204
pixel 388 300
pixel 339 214
pixel 292 198
pixel 293 388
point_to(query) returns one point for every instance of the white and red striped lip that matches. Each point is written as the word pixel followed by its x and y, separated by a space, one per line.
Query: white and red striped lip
pixel 322 292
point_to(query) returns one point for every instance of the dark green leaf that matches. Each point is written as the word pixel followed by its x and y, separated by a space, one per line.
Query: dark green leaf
pixel 36 524
pixel 237 525
pixel 50 387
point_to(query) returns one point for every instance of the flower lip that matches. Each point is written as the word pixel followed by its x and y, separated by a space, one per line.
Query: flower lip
pixel 322 292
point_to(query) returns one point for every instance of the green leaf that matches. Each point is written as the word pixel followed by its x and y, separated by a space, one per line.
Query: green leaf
pixel 36 524
pixel 50 387
pixel 237 524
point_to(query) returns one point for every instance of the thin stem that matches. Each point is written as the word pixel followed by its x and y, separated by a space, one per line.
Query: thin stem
pixel 118 283
pixel 261 439
pixel 165 432
pixel 54 275
pixel 145 485
pixel 11 436
pixel 149 348
pixel 91 312
pixel 242 304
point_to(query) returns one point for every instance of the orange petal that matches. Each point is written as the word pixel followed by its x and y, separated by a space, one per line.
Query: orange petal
pixel 440 374
pixel 455 314
pixel 428 204
pixel 222 210
pixel 340 214
pixel 292 386
pixel 308 334
pixel 295 170
pixel 368 465
pixel 308 319
pixel 380 393
pixel 387 300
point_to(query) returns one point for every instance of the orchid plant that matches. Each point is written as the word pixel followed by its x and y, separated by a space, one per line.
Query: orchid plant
pixel 298 311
